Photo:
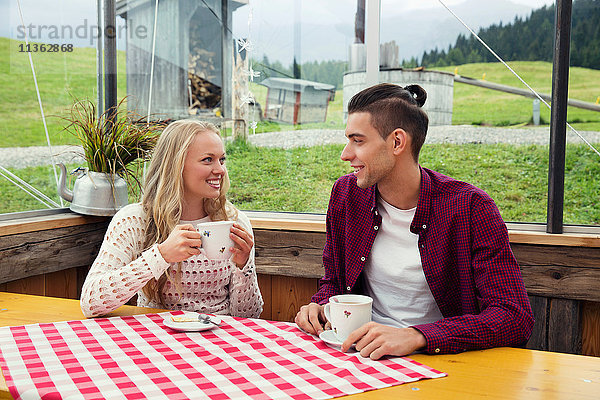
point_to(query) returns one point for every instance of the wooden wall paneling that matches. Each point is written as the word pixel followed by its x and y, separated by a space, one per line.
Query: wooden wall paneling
pixel 31 285
pixel 264 283
pixel 28 254
pixel 584 257
pixel 564 326
pixel 590 328
pixel 81 275
pixel 290 251
pixel 539 336
pixel 62 284
pixel 562 282
pixel 289 294
pixel 559 271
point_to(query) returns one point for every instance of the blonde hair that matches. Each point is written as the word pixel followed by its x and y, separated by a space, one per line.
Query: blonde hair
pixel 163 192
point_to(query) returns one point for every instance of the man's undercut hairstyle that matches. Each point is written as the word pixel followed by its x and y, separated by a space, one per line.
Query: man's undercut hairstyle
pixel 391 107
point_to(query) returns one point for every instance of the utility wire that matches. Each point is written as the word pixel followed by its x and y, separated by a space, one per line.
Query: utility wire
pixel 37 89
pixel 514 73
pixel 152 62
pixel 27 188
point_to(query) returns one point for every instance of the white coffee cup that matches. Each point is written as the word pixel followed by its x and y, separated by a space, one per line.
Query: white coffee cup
pixel 215 239
pixel 348 312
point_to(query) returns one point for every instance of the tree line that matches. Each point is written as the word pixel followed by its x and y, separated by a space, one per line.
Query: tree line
pixel 330 71
pixel 529 39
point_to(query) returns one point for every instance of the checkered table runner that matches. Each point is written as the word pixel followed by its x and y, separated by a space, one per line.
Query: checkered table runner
pixel 138 357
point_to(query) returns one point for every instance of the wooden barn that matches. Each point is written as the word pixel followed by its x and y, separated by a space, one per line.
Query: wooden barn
pixel 193 56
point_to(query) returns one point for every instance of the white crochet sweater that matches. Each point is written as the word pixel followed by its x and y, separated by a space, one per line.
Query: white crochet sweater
pixel 122 269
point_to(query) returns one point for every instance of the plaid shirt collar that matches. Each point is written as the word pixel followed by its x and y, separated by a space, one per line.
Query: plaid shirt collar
pixel 419 222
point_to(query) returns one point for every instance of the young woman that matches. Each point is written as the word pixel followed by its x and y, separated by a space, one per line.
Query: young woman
pixel 152 248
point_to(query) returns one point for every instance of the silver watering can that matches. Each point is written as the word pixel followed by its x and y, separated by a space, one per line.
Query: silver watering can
pixel 94 193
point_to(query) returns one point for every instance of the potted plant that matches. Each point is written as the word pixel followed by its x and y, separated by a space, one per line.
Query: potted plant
pixel 114 144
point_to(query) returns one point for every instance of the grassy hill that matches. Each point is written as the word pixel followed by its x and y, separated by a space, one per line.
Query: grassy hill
pixel 474 105
pixel 59 76
pixel 62 75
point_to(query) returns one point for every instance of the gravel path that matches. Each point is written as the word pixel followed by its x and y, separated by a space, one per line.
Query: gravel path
pixel 20 157
pixel 457 134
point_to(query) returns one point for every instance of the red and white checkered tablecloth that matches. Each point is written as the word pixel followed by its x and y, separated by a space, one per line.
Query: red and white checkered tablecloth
pixel 139 357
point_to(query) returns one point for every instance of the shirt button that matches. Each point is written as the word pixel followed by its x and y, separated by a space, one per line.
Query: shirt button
pixel 348 288
pixel 424 226
pixel 362 259
pixel 422 246
pixel 376 212
pixel 375 227
pixel 437 350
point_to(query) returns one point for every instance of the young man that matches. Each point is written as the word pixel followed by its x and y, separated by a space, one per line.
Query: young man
pixel 431 251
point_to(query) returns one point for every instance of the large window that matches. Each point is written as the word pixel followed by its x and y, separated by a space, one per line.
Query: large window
pixel 277 76
pixel 61 40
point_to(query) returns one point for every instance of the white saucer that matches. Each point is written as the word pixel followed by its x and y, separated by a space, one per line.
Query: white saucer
pixel 194 326
pixel 329 337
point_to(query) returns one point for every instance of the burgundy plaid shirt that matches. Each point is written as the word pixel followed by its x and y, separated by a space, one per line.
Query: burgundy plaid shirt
pixel 466 257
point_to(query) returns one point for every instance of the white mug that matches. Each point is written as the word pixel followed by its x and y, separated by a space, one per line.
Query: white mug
pixel 215 239
pixel 348 312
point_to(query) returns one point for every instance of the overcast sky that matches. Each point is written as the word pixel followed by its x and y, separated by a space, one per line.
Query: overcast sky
pixel 272 22
pixel 68 10
pixel 344 9
pixel 416 4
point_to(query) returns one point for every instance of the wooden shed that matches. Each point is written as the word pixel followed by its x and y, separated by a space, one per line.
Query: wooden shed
pixel 193 56
pixel 297 101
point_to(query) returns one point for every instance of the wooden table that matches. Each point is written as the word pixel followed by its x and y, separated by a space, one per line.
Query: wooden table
pixel 502 373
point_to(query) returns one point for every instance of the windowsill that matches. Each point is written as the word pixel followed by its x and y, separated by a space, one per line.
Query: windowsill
pixel 15 223
pixel 32 221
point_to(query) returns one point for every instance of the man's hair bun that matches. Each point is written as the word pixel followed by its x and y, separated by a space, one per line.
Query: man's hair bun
pixel 417 93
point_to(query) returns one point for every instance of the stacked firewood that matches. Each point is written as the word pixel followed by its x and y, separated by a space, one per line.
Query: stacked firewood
pixel 201 71
pixel 201 63
pixel 204 95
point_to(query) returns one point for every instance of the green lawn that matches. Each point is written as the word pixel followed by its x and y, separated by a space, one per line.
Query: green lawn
pixel 59 76
pixel 475 105
pixel 300 179
pixel 62 75
pixel 275 179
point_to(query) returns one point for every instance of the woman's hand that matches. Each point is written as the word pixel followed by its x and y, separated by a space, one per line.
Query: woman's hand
pixel 243 244
pixel 183 242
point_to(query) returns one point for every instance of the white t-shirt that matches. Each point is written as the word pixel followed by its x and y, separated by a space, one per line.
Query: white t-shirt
pixel 394 273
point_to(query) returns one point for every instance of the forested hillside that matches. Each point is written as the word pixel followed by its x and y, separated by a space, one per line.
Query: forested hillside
pixel 529 39
pixel 330 71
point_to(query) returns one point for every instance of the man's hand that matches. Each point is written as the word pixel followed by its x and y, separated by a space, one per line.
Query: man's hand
pixel 310 317
pixel 375 340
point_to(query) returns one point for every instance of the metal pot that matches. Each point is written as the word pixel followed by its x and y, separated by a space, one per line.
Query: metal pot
pixel 94 193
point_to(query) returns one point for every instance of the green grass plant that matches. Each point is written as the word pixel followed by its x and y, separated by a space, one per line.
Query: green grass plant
pixel 116 142
pixel 276 179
